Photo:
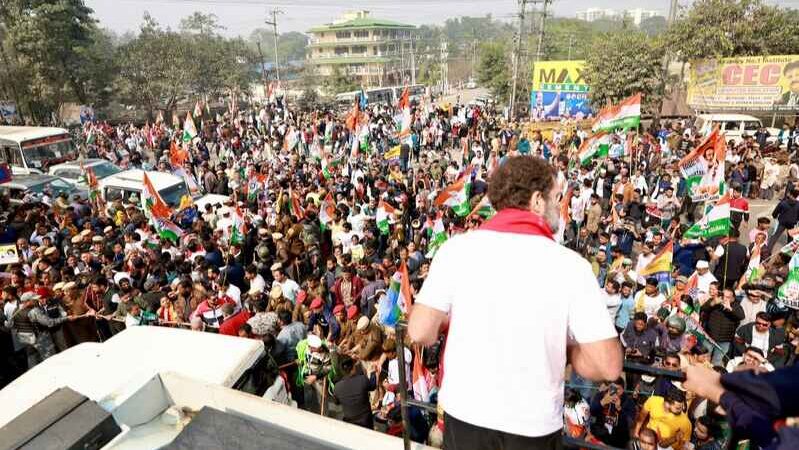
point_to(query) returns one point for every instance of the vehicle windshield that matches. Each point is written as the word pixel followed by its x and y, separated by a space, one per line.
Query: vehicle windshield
pixel 104 169
pixel 54 186
pixel 36 155
pixel 174 193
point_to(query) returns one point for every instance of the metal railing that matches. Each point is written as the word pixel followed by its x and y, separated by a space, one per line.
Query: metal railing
pixel 568 441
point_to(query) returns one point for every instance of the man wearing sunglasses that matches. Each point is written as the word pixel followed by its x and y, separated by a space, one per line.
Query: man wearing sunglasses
pixel 760 334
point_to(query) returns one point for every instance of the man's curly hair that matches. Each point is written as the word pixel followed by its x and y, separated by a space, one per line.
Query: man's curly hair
pixel 514 182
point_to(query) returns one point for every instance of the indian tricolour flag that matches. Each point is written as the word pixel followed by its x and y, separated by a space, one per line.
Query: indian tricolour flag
pixel 167 229
pixel 716 221
pixel 239 228
pixel 189 130
pixel 456 195
pixel 626 114
pixel 384 212
pixel 326 210
pixel 484 208
pixel 596 146
pixel 438 238
pixel 327 167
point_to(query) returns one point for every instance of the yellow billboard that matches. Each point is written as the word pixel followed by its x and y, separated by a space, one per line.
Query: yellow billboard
pixel 559 76
pixel 752 83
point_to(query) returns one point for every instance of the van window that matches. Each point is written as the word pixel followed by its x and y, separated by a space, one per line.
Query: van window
pixel 12 155
pixel 732 125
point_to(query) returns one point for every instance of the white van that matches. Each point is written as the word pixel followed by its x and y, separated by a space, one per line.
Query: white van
pixel 733 126
pixel 171 188
pixel 33 149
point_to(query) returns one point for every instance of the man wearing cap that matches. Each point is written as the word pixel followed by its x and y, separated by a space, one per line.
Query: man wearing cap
pixel 322 322
pixel 524 192
pixel 704 277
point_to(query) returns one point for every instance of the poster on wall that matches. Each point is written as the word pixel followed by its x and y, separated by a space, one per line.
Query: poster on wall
pixel 559 90
pixel 752 83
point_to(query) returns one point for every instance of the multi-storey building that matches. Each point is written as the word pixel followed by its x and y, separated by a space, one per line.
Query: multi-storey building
pixel 375 52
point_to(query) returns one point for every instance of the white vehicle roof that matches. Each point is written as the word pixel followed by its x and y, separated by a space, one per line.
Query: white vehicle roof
pixel 91 162
pixel 726 117
pixel 134 355
pixel 20 134
pixel 134 180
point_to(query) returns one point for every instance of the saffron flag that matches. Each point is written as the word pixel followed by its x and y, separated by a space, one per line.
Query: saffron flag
pixel 295 207
pixel 421 390
pixel 395 303
pixel 384 213
pixel 596 146
pixel 189 130
pixel 626 114
pixel 456 195
pixel 152 203
pixel 662 262
pixel 716 222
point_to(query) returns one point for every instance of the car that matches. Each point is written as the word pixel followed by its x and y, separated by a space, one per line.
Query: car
pixel 733 126
pixel 73 171
pixel 33 187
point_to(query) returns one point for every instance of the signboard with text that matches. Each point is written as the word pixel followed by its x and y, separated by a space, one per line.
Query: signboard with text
pixel 752 83
pixel 559 90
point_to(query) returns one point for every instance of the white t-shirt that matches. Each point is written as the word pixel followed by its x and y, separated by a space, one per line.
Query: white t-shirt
pixel 526 299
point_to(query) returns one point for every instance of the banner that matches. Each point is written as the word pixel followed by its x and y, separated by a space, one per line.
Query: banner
pixel 753 83
pixel 8 112
pixel 703 168
pixel 559 90
pixel 8 254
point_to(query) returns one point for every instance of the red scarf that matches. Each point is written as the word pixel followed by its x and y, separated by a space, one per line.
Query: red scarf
pixel 511 220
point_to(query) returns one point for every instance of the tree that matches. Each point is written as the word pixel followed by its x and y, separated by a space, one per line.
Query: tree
pixel 290 46
pixel 492 70
pixel 310 96
pixel 339 82
pixel 199 23
pixel 653 26
pixel 53 45
pixel 725 28
pixel 624 63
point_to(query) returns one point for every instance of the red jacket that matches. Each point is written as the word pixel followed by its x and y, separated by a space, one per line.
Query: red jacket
pixel 232 324
pixel 355 290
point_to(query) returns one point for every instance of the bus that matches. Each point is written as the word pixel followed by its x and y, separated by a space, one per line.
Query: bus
pixel 33 149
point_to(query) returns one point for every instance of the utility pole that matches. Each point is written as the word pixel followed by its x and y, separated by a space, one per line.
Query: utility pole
pixel 413 62
pixel 444 68
pixel 274 13
pixel 263 66
pixel 542 30
pixel 516 54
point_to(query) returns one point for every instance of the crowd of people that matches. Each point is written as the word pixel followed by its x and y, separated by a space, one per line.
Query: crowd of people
pixel 326 208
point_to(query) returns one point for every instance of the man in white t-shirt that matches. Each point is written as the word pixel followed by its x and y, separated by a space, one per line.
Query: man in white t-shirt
pixel 559 317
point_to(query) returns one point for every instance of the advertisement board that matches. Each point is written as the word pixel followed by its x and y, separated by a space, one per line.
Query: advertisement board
pixel 559 90
pixel 752 83
pixel 8 112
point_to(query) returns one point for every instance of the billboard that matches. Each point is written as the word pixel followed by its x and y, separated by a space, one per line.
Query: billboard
pixel 559 90
pixel 752 83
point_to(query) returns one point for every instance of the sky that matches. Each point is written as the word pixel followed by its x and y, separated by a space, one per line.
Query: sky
pixel 240 17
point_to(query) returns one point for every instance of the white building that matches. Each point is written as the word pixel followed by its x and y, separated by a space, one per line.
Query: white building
pixel 637 15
